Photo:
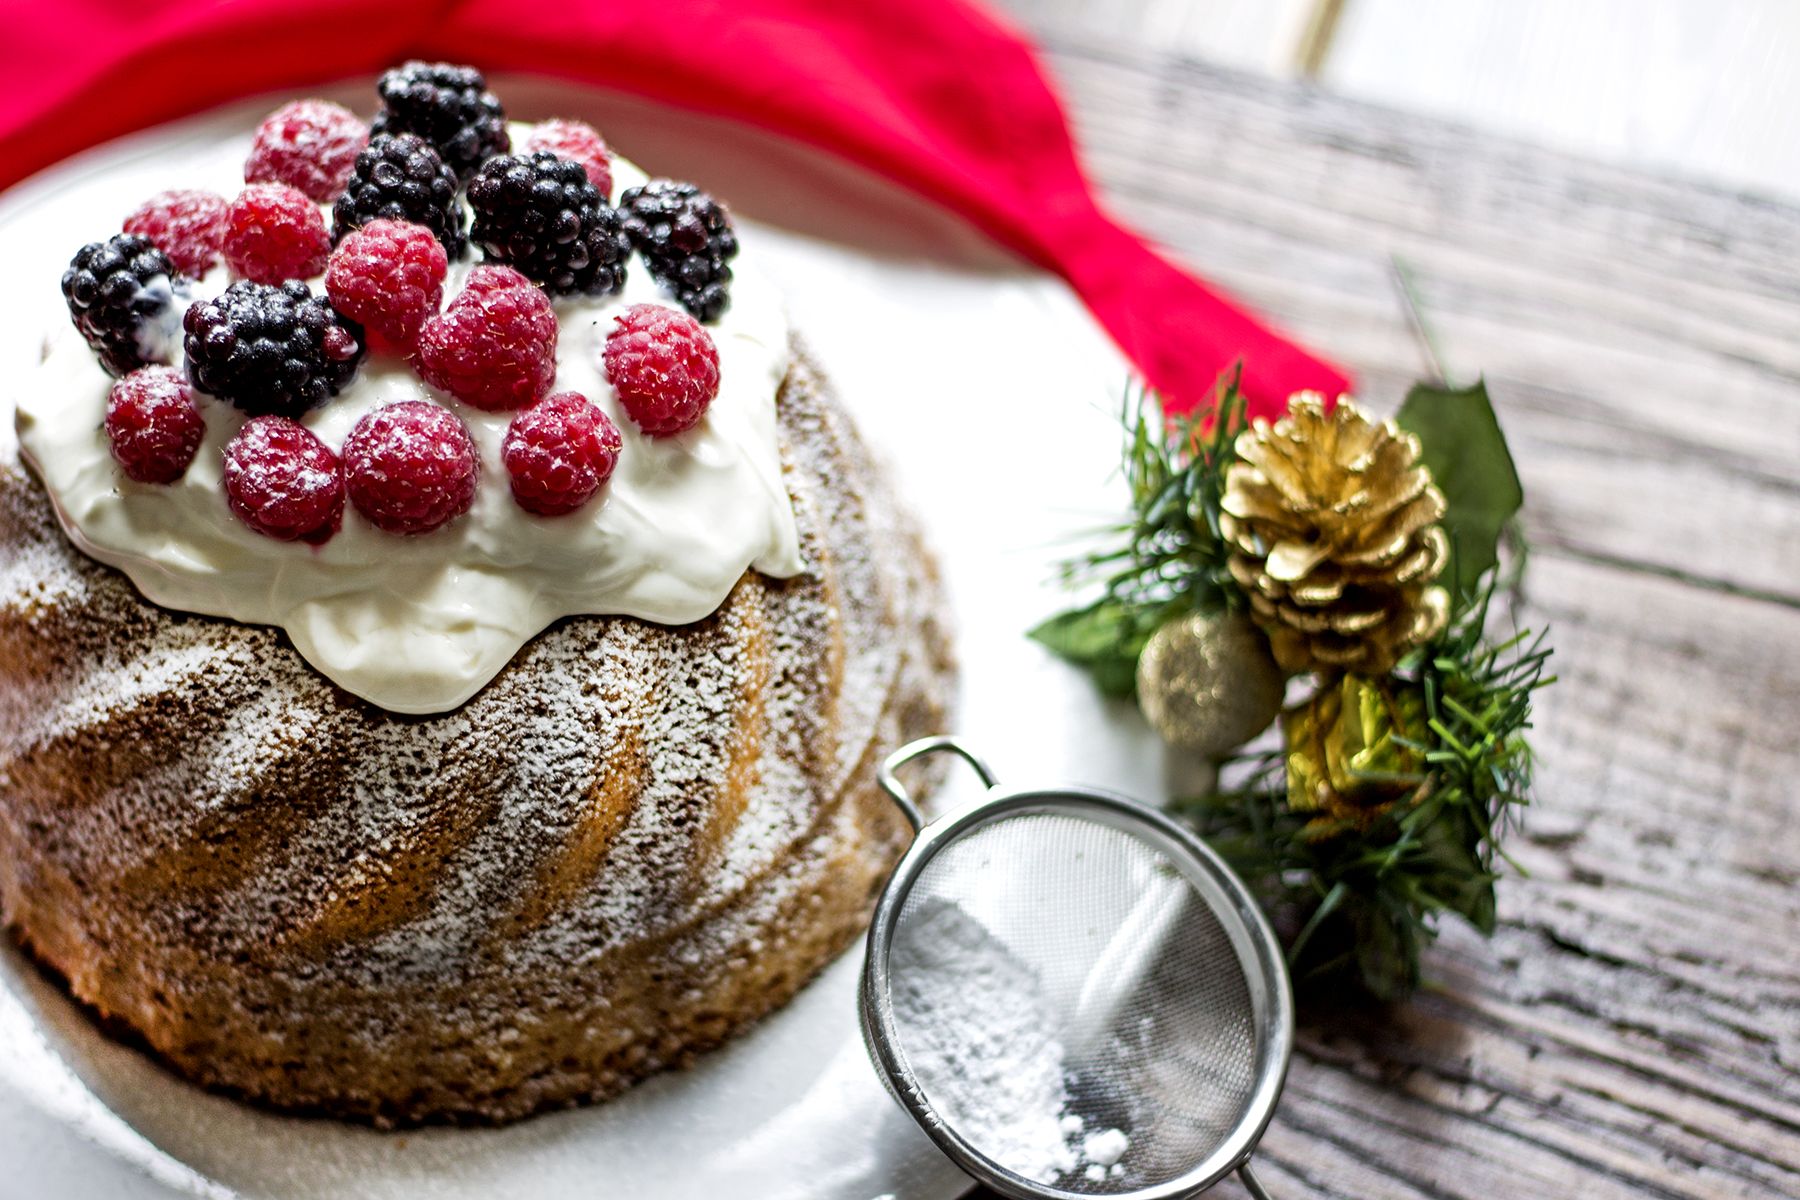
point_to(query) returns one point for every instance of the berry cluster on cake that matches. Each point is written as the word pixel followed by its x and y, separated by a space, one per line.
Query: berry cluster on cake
pixel 447 677
pixel 412 358
pixel 273 347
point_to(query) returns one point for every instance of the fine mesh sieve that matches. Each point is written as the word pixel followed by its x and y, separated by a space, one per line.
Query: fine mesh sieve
pixel 1073 995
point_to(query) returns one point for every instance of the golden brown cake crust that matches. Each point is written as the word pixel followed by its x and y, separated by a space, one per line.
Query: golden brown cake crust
pixel 633 843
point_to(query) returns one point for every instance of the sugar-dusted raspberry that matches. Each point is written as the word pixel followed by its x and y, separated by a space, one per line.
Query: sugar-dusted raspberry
pixel 283 482
pixel 187 224
pixel 493 277
pixel 273 233
pixel 664 366
pixel 558 453
pixel 579 142
pixel 495 346
pixel 153 424
pixel 307 144
pixel 390 276
pixel 410 467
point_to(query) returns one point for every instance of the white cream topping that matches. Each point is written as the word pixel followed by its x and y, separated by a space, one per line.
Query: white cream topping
pixel 419 624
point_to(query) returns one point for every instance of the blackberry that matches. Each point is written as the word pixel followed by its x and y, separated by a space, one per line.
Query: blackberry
pixel 122 296
pixel 271 348
pixel 686 240
pixel 542 215
pixel 401 178
pixel 450 107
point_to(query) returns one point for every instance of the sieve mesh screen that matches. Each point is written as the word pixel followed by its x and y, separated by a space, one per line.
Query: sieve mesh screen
pixel 1054 978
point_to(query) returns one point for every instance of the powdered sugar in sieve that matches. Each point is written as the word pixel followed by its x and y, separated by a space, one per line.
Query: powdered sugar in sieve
pixel 980 1030
pixel 1073 996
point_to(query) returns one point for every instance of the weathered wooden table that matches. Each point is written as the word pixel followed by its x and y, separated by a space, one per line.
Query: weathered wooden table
pixel 1633 1029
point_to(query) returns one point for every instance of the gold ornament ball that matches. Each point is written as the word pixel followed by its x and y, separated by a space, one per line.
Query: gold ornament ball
pixel 1208 683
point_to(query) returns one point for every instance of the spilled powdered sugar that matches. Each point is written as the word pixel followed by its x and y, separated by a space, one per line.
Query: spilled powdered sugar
pixel 982 1043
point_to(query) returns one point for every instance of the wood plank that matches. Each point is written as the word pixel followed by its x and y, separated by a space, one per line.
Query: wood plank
pixel 1633 1029
pixel 1261 35
pixel 1686 85
pixel 1693 84
pixel 1643 333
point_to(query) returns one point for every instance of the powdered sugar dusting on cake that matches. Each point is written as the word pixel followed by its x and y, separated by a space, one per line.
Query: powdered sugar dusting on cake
pixel 579 807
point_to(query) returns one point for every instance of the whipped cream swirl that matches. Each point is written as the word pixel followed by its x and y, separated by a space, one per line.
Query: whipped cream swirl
pixel 419 624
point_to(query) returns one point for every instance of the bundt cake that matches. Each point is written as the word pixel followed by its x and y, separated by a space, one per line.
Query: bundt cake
pixel 407 817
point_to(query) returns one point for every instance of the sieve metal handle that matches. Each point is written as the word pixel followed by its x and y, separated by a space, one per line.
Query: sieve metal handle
pixel 1247 1177
pixel 890 780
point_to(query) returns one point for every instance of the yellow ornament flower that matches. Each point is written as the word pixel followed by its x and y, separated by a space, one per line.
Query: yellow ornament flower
pixel 1345 758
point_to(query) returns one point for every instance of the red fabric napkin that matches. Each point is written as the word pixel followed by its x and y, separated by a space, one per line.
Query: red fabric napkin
pixel 937 95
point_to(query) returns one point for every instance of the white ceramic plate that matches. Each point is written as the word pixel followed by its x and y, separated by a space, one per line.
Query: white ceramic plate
pixel 994 396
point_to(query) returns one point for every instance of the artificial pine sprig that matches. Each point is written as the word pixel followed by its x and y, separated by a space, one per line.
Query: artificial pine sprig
pixel 1368 900
pixel 1357 890
pixel 1169 558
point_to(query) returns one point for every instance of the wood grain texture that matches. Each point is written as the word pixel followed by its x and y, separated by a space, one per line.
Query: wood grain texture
pixel 1260 35
pixel 1707 86
pixel 1633 1029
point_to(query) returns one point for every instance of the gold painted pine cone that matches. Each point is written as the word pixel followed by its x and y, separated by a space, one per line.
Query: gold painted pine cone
pixel 1333 527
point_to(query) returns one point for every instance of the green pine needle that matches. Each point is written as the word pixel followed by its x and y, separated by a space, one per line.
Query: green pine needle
pixel 1169 558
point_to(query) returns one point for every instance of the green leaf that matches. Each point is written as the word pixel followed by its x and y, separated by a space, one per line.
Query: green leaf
pixel 1466 452
pixel 1480 908
pixel 1387 949
pixel 1449 869
pixel 1106 637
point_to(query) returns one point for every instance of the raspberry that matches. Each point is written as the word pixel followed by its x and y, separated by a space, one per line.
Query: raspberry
pixel 122 295
pixel 495 346
pixel 307 144
pixel 390 276
pixel 540 213
pixel 154 425
pixel 273 233
pixel 283 482
pixel 558 452
pixel 579 142
pixel 410 467
pixel 187 224
pixel 664 366
pixel 686 240
pixel 447 105
pixel 493 277
pixel 402 179
pixel 270 349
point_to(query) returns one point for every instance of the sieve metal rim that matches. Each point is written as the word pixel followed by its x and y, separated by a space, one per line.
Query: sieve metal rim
pixel 1250 932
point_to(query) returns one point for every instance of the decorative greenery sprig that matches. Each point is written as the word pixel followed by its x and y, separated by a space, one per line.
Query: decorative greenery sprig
pixel 1169 558
pixel 1414 824
pixel 1367 901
